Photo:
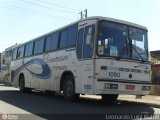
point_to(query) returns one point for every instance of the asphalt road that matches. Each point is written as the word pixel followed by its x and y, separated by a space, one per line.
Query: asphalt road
pixel 40 105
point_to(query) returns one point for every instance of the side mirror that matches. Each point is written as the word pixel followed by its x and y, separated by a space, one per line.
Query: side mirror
pixel 89 40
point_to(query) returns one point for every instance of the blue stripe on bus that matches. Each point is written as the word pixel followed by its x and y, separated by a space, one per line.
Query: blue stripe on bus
pixel 46 71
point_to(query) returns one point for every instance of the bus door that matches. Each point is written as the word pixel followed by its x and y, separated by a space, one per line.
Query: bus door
pixel 85 48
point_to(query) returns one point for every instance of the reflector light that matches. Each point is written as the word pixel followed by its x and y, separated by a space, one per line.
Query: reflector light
pixel 130 87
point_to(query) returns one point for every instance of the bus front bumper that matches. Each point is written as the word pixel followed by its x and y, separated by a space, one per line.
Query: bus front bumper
pixel 103 86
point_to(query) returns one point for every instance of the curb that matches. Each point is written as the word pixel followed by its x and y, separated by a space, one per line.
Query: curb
pixel 151 101
pixel 140 103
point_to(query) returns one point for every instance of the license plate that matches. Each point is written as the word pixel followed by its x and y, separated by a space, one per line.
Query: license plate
pixel 130 87
pixel 110 86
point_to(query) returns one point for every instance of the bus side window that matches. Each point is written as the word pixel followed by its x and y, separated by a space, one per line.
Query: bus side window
pixel 48 43
pixel 20 52
pixel 80 43
pixel 39 46
pixel 14 56
pixel 29 49
pixel 36 47
pixel 72 35
pixel 63 39
pixel 26 50
pixel 55 38
pixel 88 45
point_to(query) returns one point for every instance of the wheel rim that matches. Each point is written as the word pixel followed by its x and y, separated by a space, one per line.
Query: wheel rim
pixel 69 88
pixel 21 84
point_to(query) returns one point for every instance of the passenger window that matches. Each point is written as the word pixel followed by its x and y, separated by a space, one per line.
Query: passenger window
pixel 26 50
pixel 51 42
pixel 54 42
pixel 14 54
pixel 48 43
pixel 72 35
pixel 39 46
pixel 80 43
pixel 29 49
pixel 36 47
pixel 20 52
pixel 64 39
pixel 88 45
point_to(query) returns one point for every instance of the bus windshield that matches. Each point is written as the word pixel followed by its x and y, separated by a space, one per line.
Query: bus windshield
pixel 122 41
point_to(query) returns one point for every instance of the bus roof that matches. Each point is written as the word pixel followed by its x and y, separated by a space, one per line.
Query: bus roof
pixel 91 18
pixel 115 20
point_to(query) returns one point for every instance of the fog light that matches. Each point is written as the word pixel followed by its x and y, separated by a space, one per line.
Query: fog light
pixel 130 87
pixel 106 86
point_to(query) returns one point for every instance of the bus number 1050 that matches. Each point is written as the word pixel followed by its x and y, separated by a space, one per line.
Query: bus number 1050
pixel 114 74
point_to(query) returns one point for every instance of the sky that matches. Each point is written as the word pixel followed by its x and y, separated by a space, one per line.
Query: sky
pixel 23 20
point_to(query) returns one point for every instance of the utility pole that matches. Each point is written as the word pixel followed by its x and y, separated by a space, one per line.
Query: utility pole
pixel 85 11
pixel 83 14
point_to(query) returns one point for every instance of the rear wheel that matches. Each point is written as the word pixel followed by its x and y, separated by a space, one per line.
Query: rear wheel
pixel 22 85
pixel 69 89
pixel 110 98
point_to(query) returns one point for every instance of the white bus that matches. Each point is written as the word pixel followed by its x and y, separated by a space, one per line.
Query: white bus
pixel 95 56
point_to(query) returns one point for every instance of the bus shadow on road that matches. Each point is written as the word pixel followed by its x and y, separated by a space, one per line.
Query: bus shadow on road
pixel 49 106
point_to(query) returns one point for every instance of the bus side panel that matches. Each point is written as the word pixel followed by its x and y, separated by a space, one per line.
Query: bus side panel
pixel 82 71
pixel 86 76
pixel 27 76
pixel 64 63
pixel 16 69
pixel 50 59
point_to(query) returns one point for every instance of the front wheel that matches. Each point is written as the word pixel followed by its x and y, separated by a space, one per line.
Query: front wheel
pixel 110 98
pixel 69 89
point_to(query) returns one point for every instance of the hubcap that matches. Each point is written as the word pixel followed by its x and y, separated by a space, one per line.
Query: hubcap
pixel 69 88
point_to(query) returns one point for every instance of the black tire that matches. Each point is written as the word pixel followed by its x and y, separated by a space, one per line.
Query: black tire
pixel 69 89
pixel 22 87
pixel 110 98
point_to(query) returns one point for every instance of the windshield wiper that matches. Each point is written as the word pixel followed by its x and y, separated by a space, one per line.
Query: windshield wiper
pixel 139 55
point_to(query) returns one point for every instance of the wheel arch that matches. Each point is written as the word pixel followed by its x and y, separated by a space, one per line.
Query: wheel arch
pixel 64 74
pixel 21 75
